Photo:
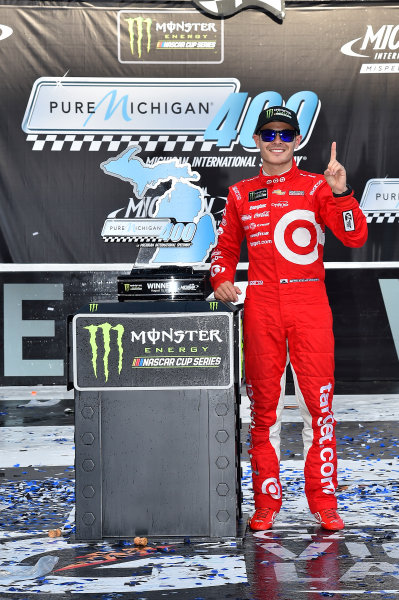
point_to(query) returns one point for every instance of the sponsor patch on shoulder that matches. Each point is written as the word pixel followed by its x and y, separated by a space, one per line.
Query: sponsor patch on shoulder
pixel 257 195
pixel 316 185
pixel 296 193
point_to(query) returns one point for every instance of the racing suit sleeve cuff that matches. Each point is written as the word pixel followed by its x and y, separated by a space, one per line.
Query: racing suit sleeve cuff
pixel 217 280
pixel 347 192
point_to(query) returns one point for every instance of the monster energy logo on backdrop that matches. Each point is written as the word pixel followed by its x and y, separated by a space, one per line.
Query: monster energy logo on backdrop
pixel 137 24
pixel 106 329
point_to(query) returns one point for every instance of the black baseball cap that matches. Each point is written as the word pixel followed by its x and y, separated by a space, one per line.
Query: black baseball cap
pixel 277 113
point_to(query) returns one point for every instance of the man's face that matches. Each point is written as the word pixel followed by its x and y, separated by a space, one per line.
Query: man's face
pixel 277 155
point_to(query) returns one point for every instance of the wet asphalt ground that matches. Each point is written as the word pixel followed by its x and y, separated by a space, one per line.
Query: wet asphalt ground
pixel 295 560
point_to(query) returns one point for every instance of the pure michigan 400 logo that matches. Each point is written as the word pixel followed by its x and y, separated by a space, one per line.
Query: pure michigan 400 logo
pixel 214 110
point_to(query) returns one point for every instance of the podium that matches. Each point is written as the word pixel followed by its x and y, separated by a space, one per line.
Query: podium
pixel 156 419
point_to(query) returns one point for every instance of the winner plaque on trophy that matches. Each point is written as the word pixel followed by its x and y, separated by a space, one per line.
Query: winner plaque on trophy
pixel 164 283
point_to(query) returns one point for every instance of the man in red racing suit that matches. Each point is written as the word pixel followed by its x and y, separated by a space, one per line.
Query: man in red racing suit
pixel 282 212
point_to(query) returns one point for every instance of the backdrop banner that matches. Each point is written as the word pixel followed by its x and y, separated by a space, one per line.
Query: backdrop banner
pixel 35 308
pixel 121 129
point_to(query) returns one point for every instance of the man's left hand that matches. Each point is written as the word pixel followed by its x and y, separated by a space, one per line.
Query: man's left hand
pixel 335 173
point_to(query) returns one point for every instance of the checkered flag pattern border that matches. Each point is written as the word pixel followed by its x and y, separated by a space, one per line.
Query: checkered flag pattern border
pixel 382 216
pixel 129 238
pixel 115 143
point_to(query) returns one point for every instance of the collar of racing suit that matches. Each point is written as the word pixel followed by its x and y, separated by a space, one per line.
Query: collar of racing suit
pixel 286 176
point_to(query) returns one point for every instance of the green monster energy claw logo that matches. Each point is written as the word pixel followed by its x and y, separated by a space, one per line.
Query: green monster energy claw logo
pixel 213 305
pixel 269 113
pixel 93 307
pixel 139 22
pixel 106 334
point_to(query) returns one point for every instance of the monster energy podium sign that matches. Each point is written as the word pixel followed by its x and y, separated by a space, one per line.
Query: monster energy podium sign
pixel 153 350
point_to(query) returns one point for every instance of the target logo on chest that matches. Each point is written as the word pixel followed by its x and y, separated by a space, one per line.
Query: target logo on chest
pixel 297 236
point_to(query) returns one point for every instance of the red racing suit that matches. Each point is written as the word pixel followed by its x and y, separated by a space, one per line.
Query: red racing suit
pixel 287 317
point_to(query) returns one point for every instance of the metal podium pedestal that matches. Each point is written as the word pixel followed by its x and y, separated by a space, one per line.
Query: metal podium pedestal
pixel 156 420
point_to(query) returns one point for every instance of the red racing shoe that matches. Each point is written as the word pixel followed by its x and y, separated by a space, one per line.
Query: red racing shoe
pixel 329 519
pixel 262 519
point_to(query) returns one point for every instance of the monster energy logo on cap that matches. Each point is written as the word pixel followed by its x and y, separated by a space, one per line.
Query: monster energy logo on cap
pixel 106 329
pixel 277 113
pixel 137 24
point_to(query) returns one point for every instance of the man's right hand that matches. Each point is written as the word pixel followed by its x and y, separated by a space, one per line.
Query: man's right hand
pixel 227 292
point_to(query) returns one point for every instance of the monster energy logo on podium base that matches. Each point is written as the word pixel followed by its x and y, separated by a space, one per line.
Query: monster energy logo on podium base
pixel 165 283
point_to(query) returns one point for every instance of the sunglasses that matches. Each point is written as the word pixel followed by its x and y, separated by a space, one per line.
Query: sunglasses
pixel 269 135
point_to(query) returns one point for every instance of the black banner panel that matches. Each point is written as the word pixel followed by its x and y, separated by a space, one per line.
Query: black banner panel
pixel 121 129
pixel 34 309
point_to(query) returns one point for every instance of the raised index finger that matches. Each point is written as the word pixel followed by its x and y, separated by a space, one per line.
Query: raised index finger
pixel 333 151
